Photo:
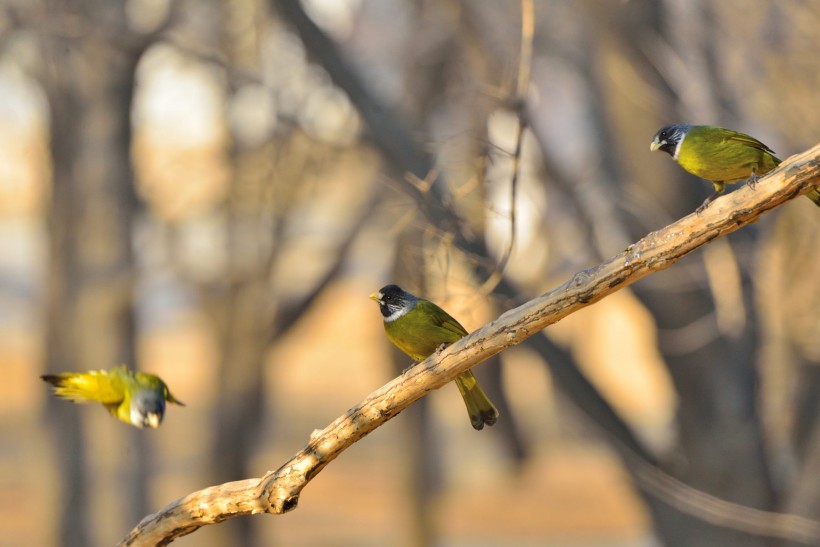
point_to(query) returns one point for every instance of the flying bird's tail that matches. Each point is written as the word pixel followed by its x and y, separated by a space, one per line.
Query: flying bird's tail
pixel 80 387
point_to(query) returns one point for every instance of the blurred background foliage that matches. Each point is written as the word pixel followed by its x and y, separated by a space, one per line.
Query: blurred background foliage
pixel 209 191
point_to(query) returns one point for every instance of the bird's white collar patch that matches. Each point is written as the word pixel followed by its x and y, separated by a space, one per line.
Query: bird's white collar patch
pixel 136 417
pixel 677 147
pixel 396 314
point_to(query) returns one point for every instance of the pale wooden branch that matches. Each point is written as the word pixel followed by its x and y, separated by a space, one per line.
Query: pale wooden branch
pixel 278 491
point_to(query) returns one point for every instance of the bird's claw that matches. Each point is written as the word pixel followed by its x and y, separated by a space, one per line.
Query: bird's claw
pixel 708 200
pixel 752 180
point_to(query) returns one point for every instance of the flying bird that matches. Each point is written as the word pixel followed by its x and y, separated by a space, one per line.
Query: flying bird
pixel 136 398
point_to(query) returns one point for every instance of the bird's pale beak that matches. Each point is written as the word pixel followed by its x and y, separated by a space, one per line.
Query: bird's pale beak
pixel 376 297
pixel 152 420
pixel 654 145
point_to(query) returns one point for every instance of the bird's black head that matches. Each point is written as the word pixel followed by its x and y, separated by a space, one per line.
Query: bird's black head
pixel 147 409
pixel 393 301
pixel 668 137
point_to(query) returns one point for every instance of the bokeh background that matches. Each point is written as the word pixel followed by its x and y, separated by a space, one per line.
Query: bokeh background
pixel 210 190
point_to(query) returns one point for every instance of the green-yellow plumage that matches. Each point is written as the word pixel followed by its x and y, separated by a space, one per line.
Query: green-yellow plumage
pixel 136 398
pixel 418 327
pixel 719 155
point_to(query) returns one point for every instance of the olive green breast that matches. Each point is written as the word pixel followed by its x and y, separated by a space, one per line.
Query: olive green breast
pixel 718 154
pixel 421 331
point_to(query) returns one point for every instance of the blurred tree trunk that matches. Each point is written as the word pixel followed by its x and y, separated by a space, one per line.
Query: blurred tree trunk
pixel 713 370
pixel 793 267
pixel 425 464
pixel 243 307
pixel 717 386
pixel 90 321
pixel 244 324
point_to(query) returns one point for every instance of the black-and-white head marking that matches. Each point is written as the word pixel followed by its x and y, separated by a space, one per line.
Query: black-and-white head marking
pixel 147 409
pixel 670 137
pixel 394 302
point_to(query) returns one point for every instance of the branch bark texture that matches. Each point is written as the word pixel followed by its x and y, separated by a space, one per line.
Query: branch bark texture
pixel 278 491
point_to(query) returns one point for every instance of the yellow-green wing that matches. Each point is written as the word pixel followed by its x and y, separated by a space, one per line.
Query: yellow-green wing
pixel 451 328
pixel 734 136
pixel 84 387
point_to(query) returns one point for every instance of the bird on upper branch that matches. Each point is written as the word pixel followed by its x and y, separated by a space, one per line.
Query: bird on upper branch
pixel 719 155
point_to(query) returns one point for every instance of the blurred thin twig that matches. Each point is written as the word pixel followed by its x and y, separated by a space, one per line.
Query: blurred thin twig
pixel 519 104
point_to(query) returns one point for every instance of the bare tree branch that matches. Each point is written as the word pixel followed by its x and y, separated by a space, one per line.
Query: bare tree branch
pixel 278 491
pixel 286 317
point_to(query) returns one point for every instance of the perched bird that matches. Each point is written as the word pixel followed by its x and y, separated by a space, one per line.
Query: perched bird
pixel 719 155
pixel 136 398
pixel 418 328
